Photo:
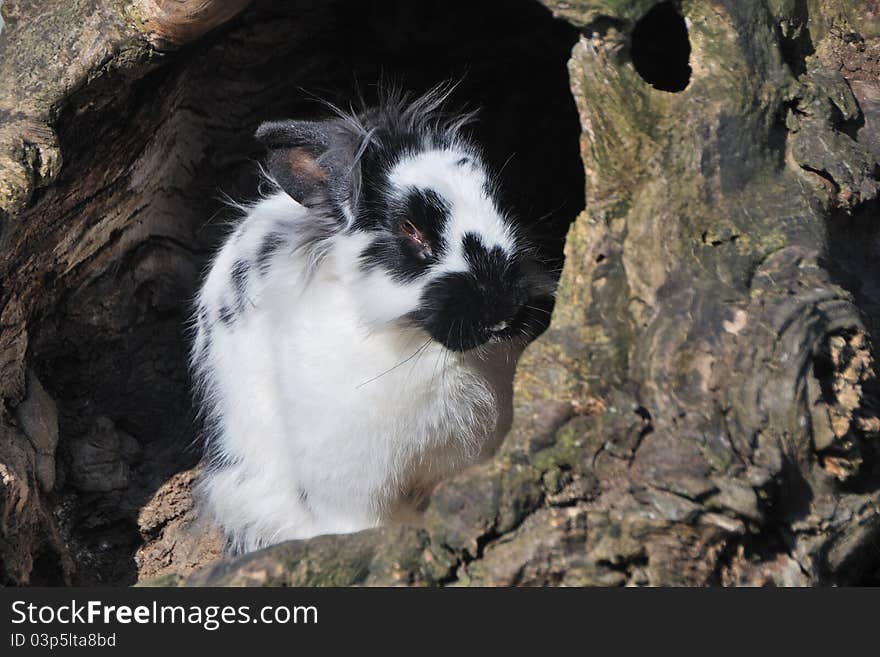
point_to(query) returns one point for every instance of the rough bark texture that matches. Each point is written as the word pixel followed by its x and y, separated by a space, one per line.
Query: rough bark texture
pixel 703 408
pixel 101 254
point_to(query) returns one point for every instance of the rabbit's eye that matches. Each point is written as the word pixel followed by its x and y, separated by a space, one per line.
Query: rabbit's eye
pixel 416 236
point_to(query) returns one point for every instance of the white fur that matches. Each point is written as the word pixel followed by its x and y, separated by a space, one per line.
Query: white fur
pixel 328 414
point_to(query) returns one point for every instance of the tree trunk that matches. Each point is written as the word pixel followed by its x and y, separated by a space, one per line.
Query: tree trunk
pixel 702 409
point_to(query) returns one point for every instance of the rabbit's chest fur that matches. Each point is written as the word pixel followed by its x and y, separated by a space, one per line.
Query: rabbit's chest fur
pixel 322 424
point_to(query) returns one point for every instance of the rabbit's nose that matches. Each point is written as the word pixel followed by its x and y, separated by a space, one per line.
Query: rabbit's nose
pixel 506 318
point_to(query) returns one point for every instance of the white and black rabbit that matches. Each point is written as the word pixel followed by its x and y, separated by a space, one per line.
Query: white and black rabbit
pixel 358 332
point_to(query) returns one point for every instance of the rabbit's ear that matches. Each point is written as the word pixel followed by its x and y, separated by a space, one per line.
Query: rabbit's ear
pixel 311 160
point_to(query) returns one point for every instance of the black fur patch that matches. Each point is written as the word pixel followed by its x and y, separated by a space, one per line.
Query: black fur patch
pixel 499 297
pixel 271 244
pixel 490 265
pixel 229 312
pixel 227 315
pixel 463 310
pixel 239 275
pixel 429 212
pixel 393 251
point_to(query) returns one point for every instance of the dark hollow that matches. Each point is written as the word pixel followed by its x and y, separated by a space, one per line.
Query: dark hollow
pixel 112 352
pixel 661 50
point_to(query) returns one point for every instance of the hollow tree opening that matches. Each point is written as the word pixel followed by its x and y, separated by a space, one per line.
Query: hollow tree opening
pixel 142 212
pixel 660 48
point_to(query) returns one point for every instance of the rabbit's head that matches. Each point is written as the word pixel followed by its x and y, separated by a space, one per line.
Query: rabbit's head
pixel 419 225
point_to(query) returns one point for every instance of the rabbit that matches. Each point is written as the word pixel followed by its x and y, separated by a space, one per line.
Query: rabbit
pixel 356 335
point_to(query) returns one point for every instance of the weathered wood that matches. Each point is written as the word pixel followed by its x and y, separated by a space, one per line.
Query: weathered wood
pixel 703 408
pixel 102 250
pixel 69 318
pixel 172 23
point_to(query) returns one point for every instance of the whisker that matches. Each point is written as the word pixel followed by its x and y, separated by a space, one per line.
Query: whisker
pixel 412 367
pixel 540 310
pixel 391 369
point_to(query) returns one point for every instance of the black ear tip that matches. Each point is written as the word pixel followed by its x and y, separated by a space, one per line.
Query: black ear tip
pixel 284 134
pixel 270 133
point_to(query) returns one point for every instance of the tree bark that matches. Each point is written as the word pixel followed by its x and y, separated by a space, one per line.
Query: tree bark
pixel 703 408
